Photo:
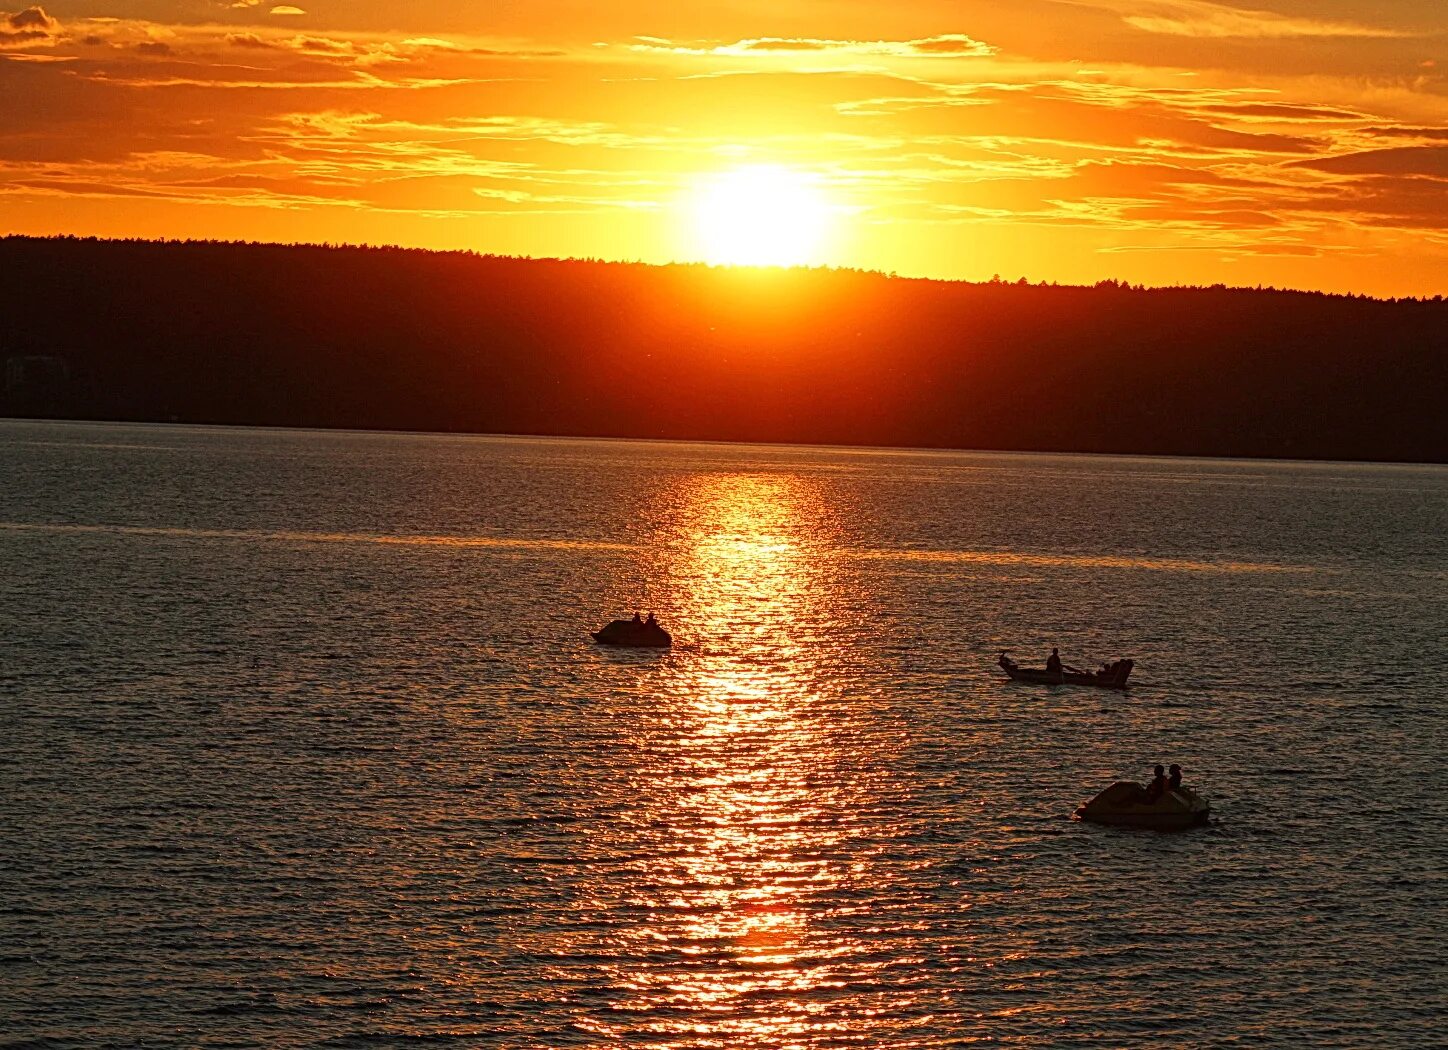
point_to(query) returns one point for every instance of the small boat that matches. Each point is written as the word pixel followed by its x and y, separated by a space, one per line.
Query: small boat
pixel 1112 676
pixel 634 634
pixel 1125 804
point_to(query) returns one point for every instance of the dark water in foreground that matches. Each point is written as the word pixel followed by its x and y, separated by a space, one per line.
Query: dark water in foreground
pixel 306 744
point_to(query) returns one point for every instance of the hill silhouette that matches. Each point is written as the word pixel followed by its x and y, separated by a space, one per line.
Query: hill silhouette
pixel 387 338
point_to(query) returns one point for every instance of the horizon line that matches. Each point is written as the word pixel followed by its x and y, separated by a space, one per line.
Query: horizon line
pixel 860 449
pixel 1107 283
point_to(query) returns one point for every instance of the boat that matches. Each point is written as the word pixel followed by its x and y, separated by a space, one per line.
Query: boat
pixel 634 634
pixel 1125 804
pixel 1111 676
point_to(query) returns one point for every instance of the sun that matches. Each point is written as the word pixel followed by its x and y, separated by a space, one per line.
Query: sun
pixel 762 215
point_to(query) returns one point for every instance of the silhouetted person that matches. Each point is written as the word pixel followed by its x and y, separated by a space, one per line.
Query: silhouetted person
pixel 1053 662
pixel 638 620
pixel 1175 780
pixel 651 622
pixel 1158 785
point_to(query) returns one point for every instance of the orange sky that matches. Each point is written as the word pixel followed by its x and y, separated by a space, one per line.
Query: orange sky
pixel 1298 143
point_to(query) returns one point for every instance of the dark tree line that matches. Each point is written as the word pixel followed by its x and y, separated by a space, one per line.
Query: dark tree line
pixel 406 339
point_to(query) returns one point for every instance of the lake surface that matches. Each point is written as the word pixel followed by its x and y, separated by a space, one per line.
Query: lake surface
pixel 306 744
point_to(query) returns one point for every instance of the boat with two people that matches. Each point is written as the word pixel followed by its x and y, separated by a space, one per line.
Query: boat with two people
pixel 1111 675
pixel 638 633
pixel 1163 805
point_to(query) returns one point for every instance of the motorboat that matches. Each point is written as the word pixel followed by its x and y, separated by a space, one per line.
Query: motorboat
pixel 634 634
pixel 1111 676
pixel 1126 804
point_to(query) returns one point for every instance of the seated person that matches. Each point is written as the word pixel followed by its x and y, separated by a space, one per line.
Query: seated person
pixel 651 622
pixel 1053 662
pixel 1175 780
pixel 638 621
pixel 1158 785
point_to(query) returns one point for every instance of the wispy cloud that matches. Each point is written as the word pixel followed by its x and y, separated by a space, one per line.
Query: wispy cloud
pixel 1427 161
pixel 1200 18
pixel 949 45
pixel 282 9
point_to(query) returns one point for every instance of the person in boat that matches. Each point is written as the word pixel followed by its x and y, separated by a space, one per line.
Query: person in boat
pixel 1175 780
pixel 1053 662
pixel 651 623
pixel 638 621
pixel 1158 785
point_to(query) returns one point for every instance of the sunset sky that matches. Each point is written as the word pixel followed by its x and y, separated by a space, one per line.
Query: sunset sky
pixel 1298 143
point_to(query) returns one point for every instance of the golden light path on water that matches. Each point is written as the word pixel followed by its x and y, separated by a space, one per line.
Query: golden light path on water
pixel 755 786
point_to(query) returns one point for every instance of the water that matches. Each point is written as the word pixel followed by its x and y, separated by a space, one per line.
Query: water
pixel 306 745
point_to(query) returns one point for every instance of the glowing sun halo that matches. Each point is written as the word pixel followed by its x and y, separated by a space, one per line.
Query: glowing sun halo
pixel 761 216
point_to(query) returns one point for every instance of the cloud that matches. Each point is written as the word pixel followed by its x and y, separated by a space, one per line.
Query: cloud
pixel 28 27
pixel 359 80
pixel 32 18
pixel 319 45
pixel 249 40
pixel 574 204
pixel 370 51
pixel 1200 18
pixel 1253 248
pixel 1426 161
pixel 949 45
pixel 124 52
pixel 254 196
pixel 1406 132
pixel 1280 112
pixel 422 44
pixel 284 9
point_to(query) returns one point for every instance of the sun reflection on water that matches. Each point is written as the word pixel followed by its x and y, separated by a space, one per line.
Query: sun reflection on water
pixel 753 783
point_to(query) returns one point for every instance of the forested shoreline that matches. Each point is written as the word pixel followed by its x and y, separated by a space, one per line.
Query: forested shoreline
pixel 387 338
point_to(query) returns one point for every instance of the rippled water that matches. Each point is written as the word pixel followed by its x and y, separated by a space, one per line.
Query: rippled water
pixel 306 744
